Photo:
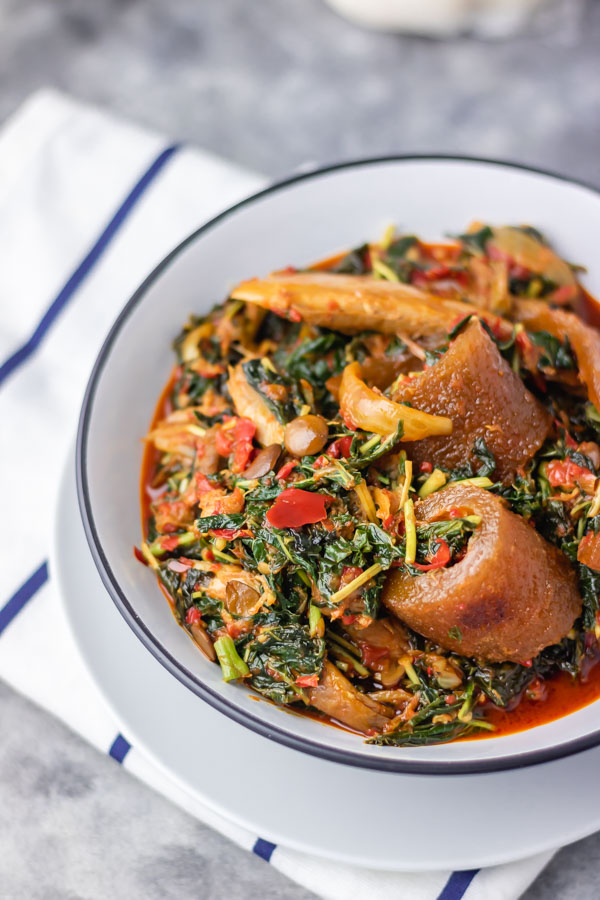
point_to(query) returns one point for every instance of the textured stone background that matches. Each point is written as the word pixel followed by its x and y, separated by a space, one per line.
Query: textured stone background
pixel 271 84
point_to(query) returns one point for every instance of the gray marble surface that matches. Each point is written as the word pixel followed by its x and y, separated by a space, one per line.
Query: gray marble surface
pixel 271 84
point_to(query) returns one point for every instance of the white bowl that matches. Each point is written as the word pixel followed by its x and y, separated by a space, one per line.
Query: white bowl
pixel 296 222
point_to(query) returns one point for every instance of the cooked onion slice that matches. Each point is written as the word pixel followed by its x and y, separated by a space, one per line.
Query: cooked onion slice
pixel 526 250
pixel 510 596
pixel 250 405
pixel 362 407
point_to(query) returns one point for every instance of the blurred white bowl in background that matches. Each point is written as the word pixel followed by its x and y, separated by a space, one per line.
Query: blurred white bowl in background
pixel 440 18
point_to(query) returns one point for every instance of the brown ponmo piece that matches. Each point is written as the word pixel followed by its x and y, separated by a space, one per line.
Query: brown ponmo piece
pixel 475 387
pixel 353 303
pixel 511 595
pixel 338 698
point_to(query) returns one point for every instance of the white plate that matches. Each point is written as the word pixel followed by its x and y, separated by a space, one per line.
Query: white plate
pixel 380 820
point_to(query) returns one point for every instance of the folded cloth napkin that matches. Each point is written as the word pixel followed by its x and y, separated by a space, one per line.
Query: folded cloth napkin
pixel 88 205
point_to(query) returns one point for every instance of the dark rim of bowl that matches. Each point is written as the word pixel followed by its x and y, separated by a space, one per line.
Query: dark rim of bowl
pixel 230 709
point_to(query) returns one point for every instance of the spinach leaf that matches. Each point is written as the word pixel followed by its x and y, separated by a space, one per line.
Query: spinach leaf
pixel 476 241
pixel 557 354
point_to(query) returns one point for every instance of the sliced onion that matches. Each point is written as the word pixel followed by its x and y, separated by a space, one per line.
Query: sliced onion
pixel 362 407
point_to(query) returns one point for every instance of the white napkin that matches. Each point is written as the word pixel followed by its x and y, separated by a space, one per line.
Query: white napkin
pixel 88 206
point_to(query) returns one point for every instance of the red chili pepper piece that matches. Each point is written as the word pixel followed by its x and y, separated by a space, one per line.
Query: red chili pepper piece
pixel 349 618
pixel 520 272
pixel 341 447
pixel 193 616
pixel 140 556
pixel 564 293
pixel 426 467
pixel 570 441
pixel 243 434
pixel 202 483
pixel 349 573
pixel 307 680
pixel 440 559
pixel 224 441
pixel 294 508
pixel 169 543
pixel 566 472
pixel 237 440
pixel 286 469
pixel 230 534
pixel 371 655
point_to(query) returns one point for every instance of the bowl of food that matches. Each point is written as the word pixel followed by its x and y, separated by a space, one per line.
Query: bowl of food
pixel 362 406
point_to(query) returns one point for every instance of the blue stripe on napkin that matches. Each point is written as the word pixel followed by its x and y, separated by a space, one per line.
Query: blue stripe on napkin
pixel 23 595
pixel 458 884
pixel 119 748
pixel 264 849
pixel 85 266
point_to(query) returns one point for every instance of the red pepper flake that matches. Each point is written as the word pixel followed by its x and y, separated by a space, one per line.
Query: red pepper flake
pixel 454 513
pixel 307 680
pixel 341 447
pixel 440 559
pixel 320 462
pixel 372 655
pixel 193 616
pixel 525 344
pixel 202 483
pixel 570 441
pixel 520 272
pixel 349 573
pixel 140 556
pixel 286 470
pixel 169 543
pixel 294 315
pixel 349 618
pixel 426 467
pixel 527 663
pixel 294 508
pixel 230 534
pixel 564 294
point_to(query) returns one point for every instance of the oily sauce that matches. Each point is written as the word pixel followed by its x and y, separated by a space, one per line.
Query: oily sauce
pixel 557 696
